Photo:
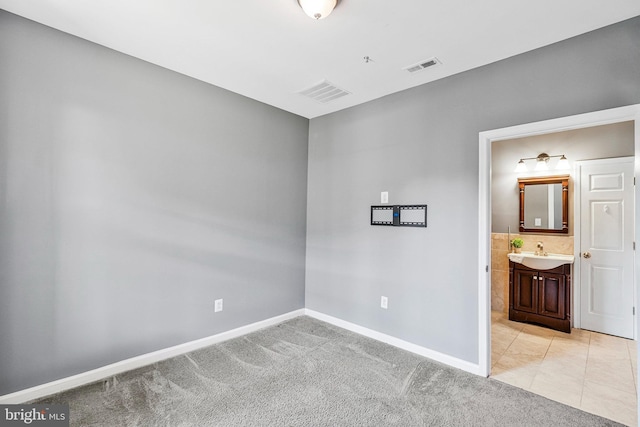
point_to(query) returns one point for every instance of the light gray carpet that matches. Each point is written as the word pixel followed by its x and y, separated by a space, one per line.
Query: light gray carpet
pixel 304 372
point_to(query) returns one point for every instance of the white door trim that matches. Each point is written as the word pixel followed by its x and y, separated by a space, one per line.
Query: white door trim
pixel 577 208
pixel 614 115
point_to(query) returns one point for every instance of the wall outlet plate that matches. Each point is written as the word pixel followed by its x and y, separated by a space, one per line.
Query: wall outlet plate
pixel 384 197
pixel 217 305
pixel 384 302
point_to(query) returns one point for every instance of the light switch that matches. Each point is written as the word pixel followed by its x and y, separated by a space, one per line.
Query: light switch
pixel 384 197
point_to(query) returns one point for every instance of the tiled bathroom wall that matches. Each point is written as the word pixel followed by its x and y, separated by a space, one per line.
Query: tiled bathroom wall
pixel 500 263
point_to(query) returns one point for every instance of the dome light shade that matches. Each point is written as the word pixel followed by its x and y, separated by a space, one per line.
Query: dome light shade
pixel 563 163
pixel 317 9
pixel 541 165
pixel 542 162
pixel 521 167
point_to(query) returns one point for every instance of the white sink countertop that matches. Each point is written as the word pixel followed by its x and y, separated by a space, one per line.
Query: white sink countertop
pixel 541 262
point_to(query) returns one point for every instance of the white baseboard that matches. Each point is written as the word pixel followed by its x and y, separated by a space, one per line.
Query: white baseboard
pixel 397 342
pixel 138 361
pixel 98 374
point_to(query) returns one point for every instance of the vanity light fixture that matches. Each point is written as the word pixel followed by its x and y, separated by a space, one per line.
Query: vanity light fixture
pixel 542 163
pixel 318 9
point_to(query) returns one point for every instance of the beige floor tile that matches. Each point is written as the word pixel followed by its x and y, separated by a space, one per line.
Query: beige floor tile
pixel 500 344
pixel 593 371
pixel 554 364
pixel 540 331
pixel 615 373
pixel 503 318
pixel 558 386
pixel 561 347
pixel 504 330
pixel 518 371
pixel 602 352
pixel 633 349
pixel 520 362
pixel 598 337
pixel 574 367
pixel 529 345
pixel 609 342
pixel 497 349
pixel 495 357
pixel 610 403
pixel 633 354
pixel 580 335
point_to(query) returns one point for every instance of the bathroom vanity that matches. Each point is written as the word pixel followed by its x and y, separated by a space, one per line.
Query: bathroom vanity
pixel 540 292
pixel 540 282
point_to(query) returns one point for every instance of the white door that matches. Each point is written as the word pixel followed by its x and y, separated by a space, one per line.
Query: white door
pixel 606 246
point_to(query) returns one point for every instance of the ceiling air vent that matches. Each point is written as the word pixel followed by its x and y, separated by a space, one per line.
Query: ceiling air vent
pixel 324 92
pixel 422 65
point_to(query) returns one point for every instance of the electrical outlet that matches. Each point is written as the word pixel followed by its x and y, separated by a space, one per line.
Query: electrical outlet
pixel 384 197
pixel 384 302
pixel 217 306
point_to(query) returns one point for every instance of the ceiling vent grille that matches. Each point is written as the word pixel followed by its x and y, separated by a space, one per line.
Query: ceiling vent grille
pixel 423 65
pixel 324 92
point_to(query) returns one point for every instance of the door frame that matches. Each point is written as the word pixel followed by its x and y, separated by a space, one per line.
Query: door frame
pixel 576 315
pixel 597 118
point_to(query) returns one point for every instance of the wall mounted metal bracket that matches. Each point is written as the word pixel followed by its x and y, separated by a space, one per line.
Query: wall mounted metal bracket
pixel 399 215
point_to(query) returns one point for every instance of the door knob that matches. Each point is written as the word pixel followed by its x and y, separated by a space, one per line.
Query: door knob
pixel 586 255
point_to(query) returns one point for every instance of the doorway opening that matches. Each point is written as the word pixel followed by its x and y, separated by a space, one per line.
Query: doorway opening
pixel 486 139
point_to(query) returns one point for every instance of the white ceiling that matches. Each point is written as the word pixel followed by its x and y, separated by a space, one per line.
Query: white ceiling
pixel 269 50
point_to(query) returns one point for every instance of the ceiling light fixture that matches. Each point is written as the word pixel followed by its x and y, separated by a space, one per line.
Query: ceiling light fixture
pixel 318 9
pixel 542 163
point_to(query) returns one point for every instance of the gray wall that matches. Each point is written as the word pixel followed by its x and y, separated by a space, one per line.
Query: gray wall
pixel 131 197
pixel 598 142
pixel 421 145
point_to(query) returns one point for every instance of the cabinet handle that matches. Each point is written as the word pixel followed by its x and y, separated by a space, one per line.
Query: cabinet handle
pixel 535 277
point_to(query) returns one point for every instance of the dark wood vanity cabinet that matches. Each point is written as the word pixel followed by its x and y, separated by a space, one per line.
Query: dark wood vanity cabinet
pixel 541 297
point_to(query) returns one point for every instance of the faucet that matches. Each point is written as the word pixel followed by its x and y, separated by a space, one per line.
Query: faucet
pixel 540 250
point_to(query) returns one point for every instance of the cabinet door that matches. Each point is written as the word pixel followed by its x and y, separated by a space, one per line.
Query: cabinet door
pixel 525 291
pixel 552 294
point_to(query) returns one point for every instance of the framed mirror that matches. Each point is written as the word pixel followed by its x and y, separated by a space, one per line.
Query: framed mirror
pixel 544 204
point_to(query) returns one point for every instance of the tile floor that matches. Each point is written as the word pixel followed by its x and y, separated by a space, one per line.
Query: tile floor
pixel 587 370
